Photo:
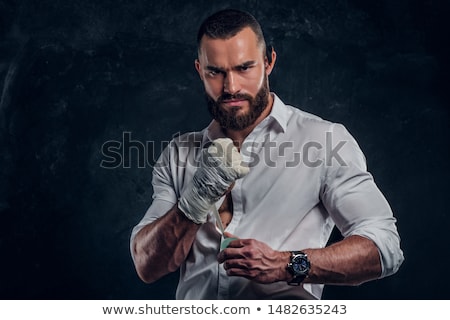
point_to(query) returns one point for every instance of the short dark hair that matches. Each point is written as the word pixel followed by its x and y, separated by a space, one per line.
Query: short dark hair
pixel 227 23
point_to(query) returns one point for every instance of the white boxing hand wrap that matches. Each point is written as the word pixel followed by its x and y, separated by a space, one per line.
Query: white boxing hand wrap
pixel 220 165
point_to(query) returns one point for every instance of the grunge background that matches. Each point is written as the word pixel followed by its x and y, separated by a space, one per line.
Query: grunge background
pixel 76 74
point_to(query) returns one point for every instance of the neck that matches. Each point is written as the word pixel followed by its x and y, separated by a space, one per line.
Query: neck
pixel 238 136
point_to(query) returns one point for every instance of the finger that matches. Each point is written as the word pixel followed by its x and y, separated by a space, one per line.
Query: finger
pixel 240 268
pixel 238 264
pixel 230 253
pixel 236 272
pixel 229 235
pixel 240 243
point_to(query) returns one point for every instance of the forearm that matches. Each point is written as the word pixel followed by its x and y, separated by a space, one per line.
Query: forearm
pixel 351 261
pixel 160 247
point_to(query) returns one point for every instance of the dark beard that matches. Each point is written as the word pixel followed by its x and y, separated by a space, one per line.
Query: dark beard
pixel 229 119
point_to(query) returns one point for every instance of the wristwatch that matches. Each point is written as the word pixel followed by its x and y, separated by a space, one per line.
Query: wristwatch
pixel 298 267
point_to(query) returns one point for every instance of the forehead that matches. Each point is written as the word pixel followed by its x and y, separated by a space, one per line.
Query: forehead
pixel 241 47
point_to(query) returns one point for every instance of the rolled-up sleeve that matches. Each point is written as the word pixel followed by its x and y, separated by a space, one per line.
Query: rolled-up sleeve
pixel 164 195
pixel 354 201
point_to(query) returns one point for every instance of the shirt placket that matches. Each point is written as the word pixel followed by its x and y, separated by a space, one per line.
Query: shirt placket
pixel 224 281
pixel 238 211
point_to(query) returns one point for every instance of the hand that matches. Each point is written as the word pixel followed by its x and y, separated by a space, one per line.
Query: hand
pixel 254 260
pixel 220 166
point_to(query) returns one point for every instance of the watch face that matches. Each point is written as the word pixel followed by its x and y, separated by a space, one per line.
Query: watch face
pixel 300 264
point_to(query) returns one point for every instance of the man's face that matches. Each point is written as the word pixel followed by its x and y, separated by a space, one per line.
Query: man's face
pixel 235 75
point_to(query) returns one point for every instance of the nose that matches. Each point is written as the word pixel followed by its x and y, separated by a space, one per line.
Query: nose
pixel 231 83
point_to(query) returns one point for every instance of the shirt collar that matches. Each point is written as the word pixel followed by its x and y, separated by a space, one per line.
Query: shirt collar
pixel 279 112
pixel 279 115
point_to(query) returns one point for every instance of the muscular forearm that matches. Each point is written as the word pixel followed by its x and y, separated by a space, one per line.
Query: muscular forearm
pixel 351 261
pixel 160 247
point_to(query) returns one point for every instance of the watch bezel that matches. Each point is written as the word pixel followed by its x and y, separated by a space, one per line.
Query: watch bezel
pixel 298 266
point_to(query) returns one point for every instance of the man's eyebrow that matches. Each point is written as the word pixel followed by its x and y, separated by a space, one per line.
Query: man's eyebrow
pixel 242 65
pixel 246 64
pixel 214 68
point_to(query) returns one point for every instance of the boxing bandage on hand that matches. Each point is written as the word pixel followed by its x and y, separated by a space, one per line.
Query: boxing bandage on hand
pixel 220 166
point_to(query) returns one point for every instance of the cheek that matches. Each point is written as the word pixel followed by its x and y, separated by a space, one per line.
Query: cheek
pixel 255 83
pixel 255 79
pixel 213 88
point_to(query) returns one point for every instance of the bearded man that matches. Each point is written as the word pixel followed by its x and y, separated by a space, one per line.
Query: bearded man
pixel 245 207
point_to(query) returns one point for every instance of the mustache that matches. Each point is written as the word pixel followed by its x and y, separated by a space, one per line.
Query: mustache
pixel 237 96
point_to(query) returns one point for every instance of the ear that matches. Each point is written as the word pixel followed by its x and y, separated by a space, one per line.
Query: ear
pixel 270 65
pixel 198 68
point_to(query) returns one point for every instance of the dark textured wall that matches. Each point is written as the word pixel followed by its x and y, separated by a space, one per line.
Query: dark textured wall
pixel 77 74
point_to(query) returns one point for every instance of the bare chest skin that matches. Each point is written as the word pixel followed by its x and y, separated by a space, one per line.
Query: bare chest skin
pixel 226 210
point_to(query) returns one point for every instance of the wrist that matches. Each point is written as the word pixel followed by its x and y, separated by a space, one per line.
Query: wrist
pixel 286 259
pixel 196 211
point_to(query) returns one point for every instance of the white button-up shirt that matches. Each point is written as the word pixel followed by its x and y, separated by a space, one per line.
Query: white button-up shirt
pixel 306 175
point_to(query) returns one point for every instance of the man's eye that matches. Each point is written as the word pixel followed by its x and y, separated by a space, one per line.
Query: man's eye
pixel 212 73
